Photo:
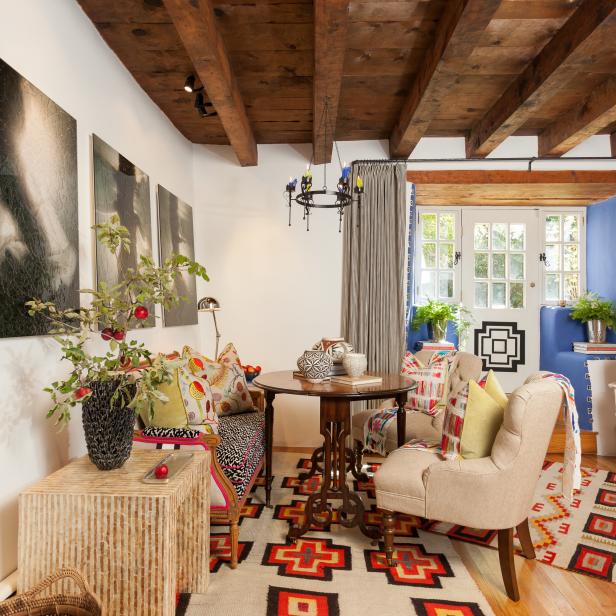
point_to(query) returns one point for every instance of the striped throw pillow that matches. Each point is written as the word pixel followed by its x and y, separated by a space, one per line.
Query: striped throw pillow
pixel 431 382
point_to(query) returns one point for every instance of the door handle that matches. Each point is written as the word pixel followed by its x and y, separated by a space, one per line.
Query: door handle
pixel 532 285
pixel 456 258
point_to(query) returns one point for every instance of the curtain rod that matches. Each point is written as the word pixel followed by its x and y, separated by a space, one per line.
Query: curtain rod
pixel 529 159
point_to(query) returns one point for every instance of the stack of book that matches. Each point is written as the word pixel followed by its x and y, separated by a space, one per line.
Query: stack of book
pixel 353 381
pixel 595 348
pixel 427 345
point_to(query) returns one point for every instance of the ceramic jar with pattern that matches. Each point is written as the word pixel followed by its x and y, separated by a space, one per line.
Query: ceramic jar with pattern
pixel 315 365
pixel 355 364
pixel 336 347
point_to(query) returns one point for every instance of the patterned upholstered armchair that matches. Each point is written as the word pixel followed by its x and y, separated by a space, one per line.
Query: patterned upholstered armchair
pixel 238 452
pixel 465 367
pixel 495 492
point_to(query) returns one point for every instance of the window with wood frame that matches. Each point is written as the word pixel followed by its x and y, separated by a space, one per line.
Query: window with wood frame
pixel 563 256
pixel 438 244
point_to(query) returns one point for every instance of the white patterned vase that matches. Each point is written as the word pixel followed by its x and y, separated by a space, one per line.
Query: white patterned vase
pixel 336 347
pixel 315 365
pixel 355 364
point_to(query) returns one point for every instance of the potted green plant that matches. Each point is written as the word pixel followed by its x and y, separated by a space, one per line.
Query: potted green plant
pixel 598 314
pixel 437 314
pixel 117 377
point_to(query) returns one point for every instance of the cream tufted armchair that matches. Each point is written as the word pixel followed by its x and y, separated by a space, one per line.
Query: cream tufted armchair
pixel 495 492
pixel 465 367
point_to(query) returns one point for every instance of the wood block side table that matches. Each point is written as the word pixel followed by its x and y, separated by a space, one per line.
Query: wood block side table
pixel 136 544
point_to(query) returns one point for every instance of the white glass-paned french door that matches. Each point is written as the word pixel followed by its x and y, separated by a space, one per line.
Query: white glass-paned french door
pixel 501 286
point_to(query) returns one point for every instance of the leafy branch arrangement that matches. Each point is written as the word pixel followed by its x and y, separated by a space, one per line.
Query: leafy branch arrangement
pixel 113 311
pixel 435 311
pixel 591 307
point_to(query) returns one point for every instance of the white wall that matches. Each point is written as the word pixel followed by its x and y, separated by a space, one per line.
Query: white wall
pixel 56 47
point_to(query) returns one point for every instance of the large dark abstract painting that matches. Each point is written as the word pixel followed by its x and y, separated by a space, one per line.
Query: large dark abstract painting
pixel 121 188
pixel 175 233
pixel 39 242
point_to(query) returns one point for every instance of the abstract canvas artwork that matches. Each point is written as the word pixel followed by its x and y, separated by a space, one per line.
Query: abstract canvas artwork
pixel 39 242
pixel 175 236
pixel 121 188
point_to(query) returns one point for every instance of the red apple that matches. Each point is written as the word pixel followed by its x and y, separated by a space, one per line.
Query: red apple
pixel 161 471
pixel 258 368
pixel 81 392
pixel 107 333
pixel 141 313
pixel 118 335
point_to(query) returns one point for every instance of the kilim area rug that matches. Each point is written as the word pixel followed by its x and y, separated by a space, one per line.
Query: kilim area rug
pixel 331 571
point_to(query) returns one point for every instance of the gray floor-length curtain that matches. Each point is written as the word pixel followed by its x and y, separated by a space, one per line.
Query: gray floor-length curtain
pixel 375 268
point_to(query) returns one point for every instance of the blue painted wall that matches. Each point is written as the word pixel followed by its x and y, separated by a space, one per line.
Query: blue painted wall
pixel 600 252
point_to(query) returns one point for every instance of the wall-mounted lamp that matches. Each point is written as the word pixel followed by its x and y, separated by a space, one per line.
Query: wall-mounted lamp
pixel 210 304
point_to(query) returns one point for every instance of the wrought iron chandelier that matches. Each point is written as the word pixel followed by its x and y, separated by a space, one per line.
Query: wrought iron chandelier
pixel 324 198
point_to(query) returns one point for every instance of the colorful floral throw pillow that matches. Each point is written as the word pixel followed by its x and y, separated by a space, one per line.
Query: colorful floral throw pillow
pixel 431 380
pixel 189 404
pixel 225 377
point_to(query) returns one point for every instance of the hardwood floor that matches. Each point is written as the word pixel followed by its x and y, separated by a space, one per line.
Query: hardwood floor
pixel 544 590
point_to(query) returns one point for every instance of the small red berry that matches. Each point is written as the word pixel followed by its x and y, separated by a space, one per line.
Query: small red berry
pixel 161 471
pixel 81 392
pixel 141 313
pixel 119 334
pixel 107 333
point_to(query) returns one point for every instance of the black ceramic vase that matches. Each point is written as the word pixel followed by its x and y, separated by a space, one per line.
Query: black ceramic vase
pixel 108 428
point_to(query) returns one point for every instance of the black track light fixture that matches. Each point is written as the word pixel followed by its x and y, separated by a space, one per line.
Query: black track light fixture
pixel 202 107
pixel 189 84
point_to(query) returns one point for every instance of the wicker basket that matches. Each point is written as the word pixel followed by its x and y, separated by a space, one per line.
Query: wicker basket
pixel 29 604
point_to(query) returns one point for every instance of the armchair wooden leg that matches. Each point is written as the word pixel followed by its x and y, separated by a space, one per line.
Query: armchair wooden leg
pixel 234 531
pixel 525 541
pixel 505 555
pixel 389 521
pixel 359 454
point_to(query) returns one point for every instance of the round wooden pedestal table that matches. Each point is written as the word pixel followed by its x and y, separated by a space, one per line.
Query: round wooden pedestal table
pixel 334 459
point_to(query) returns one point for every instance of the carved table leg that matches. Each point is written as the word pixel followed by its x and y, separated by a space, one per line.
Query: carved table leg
pixel 401 419
pixel 316 461
pixel 269 438
pixel 335 428
pixel 354 461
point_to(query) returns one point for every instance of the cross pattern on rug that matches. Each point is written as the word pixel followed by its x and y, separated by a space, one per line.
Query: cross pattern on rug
pixel 307 558
pixel 412 565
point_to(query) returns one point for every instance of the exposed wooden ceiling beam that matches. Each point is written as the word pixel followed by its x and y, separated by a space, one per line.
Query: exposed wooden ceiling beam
pixel 330 34
pixel 539 81
pixel 196 25
pixel 457 33
pixel 485 187
pixel 596 113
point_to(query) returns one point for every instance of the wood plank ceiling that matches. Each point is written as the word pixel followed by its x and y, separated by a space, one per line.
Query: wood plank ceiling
pixel 396 70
